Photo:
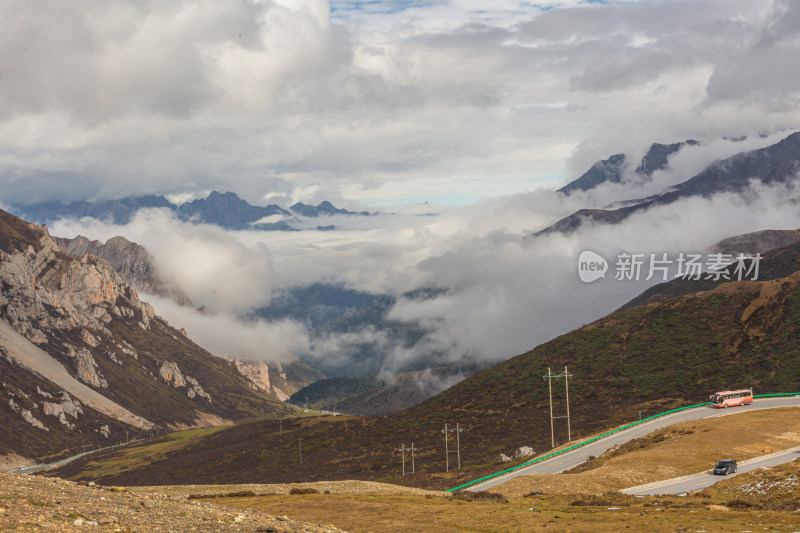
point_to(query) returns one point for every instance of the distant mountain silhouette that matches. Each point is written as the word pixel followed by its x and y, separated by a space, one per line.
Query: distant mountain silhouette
pixel 225 209
pixel 325 208
pixel 775 164
pixel 612 170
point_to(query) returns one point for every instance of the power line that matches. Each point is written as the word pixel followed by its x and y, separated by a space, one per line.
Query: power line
pixel 549 377
pixel 457 430
pixel 403 450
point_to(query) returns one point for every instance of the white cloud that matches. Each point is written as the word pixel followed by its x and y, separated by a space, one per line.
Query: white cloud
pixel 212 268
pixel 376 100
pixel 503 291
pixel 388 104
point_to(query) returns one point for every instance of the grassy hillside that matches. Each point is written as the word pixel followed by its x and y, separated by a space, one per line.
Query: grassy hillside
pixel 649 358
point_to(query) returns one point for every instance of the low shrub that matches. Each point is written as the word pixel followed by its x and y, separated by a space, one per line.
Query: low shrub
pixel 298 490
pixel 480 496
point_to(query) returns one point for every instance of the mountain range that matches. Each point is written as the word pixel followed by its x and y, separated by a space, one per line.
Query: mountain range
pixel 772 165
pixel 225 209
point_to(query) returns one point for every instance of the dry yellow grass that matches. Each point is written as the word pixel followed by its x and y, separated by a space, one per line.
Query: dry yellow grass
pixel 442 514
pixel 333 487
pixel 686 447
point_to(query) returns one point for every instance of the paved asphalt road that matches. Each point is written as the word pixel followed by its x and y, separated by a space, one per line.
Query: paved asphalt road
pixel 576 457
pixel 682 485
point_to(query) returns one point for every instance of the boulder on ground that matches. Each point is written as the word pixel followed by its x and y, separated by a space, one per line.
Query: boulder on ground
pixel 524 451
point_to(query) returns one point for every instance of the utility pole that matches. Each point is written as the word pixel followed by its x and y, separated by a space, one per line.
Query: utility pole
pixel 458 429
pixel 446 449
pixel 280 426
pixel 549 377
pixel 403 450
pixel 458 444
pixel 550 391
pixel 300 440
pixel 566 387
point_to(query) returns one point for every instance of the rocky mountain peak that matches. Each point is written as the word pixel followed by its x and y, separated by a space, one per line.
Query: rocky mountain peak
pixel 133 263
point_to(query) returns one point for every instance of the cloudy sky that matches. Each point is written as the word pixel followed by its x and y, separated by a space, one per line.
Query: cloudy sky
pixel 378 102
pixel 480 108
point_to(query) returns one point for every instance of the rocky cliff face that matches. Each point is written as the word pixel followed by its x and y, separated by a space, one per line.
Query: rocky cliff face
pixel 46 292
pixel 83 359
pixel 132 262
pixel 258 374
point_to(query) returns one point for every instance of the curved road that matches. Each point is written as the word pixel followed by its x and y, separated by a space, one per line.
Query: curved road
pixel 699 481
pixel 575 457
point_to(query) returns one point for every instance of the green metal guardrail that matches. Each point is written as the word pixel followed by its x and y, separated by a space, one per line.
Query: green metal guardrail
pixel 595 439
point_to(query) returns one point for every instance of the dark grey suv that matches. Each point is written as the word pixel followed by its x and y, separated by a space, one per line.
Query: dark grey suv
pixel 725 467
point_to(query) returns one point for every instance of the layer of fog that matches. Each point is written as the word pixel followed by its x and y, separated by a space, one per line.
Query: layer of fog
pixel 503 292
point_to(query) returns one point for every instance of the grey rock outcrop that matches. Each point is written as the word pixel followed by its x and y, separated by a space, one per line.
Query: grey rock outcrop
pixel 170 373
pixel 257 374
pixel 47 290
pixel 132 261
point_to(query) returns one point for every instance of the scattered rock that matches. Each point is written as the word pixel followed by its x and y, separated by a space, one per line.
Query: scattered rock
pixel 504 458
pixel 524 451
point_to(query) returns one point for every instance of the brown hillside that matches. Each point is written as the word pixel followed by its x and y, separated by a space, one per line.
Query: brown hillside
pixel 649 358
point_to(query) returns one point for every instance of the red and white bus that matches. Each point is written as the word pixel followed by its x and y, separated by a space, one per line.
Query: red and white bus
pixel 731 398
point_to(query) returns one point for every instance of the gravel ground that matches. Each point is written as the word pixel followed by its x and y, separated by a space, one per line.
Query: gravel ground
pixel 32 503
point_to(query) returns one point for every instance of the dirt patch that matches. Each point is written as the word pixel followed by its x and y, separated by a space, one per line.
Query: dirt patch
pixel 12 461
